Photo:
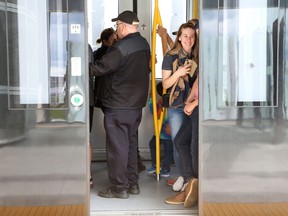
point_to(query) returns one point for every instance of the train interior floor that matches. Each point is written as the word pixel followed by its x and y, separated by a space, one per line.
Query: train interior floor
pixel 150 201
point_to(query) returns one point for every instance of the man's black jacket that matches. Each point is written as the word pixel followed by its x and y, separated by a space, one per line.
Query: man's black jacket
pixel 126 70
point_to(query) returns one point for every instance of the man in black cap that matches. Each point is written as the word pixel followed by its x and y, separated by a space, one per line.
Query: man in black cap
pixel 126 70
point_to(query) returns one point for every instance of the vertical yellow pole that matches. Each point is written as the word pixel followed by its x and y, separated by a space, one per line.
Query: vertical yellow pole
pixel 156 21
pixel 195 9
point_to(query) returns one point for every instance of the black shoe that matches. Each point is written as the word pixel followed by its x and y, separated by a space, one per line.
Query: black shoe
pixel 134 189
pixel 141 167
pixel 108 193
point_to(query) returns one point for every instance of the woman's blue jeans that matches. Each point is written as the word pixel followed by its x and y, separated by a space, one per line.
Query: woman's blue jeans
pixel 175 117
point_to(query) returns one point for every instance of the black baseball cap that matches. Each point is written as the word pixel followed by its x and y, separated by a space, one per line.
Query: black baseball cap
pixel 128 17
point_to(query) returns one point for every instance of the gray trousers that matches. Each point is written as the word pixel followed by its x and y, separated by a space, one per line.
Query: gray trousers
pixel 121 127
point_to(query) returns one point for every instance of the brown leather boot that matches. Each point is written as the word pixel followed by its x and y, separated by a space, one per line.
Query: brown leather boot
pixel 178 199
pixel 191 193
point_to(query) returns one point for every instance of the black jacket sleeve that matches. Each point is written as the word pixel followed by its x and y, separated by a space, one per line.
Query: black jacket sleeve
pixel 108 64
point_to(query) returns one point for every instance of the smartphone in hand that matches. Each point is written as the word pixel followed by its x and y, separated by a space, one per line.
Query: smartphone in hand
pixel 193 66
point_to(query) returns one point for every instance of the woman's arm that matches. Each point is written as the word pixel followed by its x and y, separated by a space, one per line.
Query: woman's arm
pixel 165 38
pixel 169 78
pixel 192 94
pixel 192 100
pixel 169 40
pixel 190 106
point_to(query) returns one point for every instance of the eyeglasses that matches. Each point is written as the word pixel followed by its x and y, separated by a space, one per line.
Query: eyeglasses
pixel 117 24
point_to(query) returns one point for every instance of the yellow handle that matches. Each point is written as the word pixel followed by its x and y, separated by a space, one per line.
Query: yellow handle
pixel 195 9
pixel 157 123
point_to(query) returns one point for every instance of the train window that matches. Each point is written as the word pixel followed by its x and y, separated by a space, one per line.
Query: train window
pixel 173 14
pixel 27 33
pixel 247 51
pixel 37 55
pixel 100 13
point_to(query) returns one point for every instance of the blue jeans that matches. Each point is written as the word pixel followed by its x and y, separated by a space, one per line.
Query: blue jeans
pixel 176 117
pixel 168 152
pixel 186 143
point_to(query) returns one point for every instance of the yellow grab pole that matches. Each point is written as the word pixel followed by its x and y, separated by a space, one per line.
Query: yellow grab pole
pixel 195 9
pixel 156 21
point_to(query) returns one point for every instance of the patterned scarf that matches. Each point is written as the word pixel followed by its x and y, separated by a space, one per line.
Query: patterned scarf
pixel 181 86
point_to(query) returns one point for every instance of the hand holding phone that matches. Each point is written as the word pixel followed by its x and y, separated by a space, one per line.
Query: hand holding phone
pixel 193 66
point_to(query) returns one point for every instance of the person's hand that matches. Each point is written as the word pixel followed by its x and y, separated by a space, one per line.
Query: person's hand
pixel 161 31
pixel 183 70
pixel 188 108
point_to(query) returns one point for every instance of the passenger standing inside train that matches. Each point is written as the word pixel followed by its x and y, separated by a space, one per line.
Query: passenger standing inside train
pixel 166 44
pixel 187 145
pixel 107 39
pixel 126 66
pixel 174 71
pixel 165 139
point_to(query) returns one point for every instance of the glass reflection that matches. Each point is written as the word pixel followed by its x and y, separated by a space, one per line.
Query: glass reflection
pixel 245 54
pixel 37 57
pixel 58 56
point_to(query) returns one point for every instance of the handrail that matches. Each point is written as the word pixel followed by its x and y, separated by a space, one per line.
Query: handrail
pixel 157 122
pixel 195 9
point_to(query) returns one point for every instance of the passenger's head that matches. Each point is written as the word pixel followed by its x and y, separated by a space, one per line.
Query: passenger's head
pixel 186 39
pixel 127 22
pixel 195 22
pixel 107 37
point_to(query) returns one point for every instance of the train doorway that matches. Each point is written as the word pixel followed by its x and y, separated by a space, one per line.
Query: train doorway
pixel 153 193
pixel 44 133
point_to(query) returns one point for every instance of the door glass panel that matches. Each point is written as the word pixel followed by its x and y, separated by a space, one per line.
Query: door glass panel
pixel 37 81
pixel 247 74
pixel 240 149
pixel 58 56
pixel 43 152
